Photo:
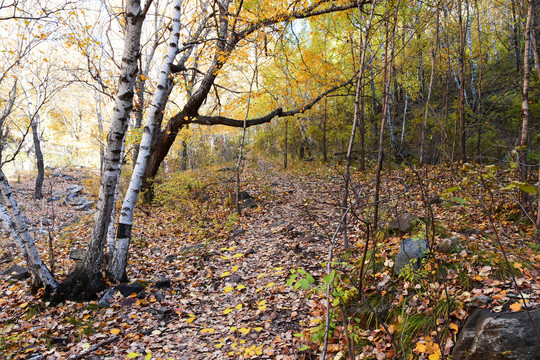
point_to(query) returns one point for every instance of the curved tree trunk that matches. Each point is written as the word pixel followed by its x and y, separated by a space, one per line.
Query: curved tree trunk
pixel 86 280
pixel 117 265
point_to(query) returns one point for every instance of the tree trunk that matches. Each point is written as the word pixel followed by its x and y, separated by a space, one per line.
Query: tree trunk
pixel 426 111
pixel 117 265
pixel 86 280
pixel 462 143
pixel 286 144
pixel 14 224
pixel 525 106
pixel 325 150
pixel 38 190
pixel 515 37
pixel 387 64
pixel 480 72
pixel 359 86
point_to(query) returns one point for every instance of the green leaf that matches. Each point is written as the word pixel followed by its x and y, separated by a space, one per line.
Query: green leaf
pixel 304 283
pixel 291 279
pixel 310 278
pixel 514 165
pixel 132 355
pixel 450 190
pixel 148 355
pixel 304 348
pixel 298 335
pixel 460 200
pixel 528 188
pixel 329 278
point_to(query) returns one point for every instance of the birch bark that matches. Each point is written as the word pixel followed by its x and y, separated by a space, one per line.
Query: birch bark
pixel 117 264
pixel 14 223
pixel 86 280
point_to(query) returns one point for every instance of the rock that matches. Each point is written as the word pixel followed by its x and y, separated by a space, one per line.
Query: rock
pixel 162 283
pixel 250 251
pixel 235 278
pixel 498 336
pixel 74 190
pixel 53 198
pixel 238 231
pixel 411 250
pixel 16 272
pixel 106 298
pixel 68 177
pixel 246 200
pixel 403 222
pixel 481 300
pixel 77 254
pixel 159 295
pixel 128 289
pixel 86 205
pixel 170 258
pixel 448 246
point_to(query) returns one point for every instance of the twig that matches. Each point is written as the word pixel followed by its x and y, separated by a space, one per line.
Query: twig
pixel 94 348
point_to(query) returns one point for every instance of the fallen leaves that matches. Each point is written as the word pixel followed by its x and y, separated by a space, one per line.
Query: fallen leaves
pixel 229 295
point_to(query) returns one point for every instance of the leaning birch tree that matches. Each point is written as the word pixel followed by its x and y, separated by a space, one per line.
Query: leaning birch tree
pixel 117 265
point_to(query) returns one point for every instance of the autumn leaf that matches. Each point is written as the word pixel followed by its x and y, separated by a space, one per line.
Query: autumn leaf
pixel 244 331
pixel 421 347
pixel 115 331
pixel 515 307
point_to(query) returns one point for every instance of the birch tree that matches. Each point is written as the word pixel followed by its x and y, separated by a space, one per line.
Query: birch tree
pixel 86 280
pixel 117 264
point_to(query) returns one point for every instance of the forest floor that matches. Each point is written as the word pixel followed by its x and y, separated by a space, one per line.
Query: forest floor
pixel 228 295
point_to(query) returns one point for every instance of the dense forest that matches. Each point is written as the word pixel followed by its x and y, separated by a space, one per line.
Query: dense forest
pixel 196 179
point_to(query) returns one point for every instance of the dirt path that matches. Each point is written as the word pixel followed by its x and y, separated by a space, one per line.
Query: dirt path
pixel 233 298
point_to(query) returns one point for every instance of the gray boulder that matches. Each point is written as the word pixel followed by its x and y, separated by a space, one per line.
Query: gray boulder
pixel 16 272
pixel 411 251
pixel 403 222
pixel 499 336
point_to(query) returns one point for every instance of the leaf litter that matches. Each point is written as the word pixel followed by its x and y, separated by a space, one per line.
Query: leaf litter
pixel 228 296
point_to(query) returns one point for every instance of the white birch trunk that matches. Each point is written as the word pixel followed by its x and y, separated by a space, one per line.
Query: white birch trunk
pixel 117 264
pixel 14 223
pixel 91 264
pixel 110 231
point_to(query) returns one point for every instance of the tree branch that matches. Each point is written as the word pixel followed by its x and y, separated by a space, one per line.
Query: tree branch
pixel 222 120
